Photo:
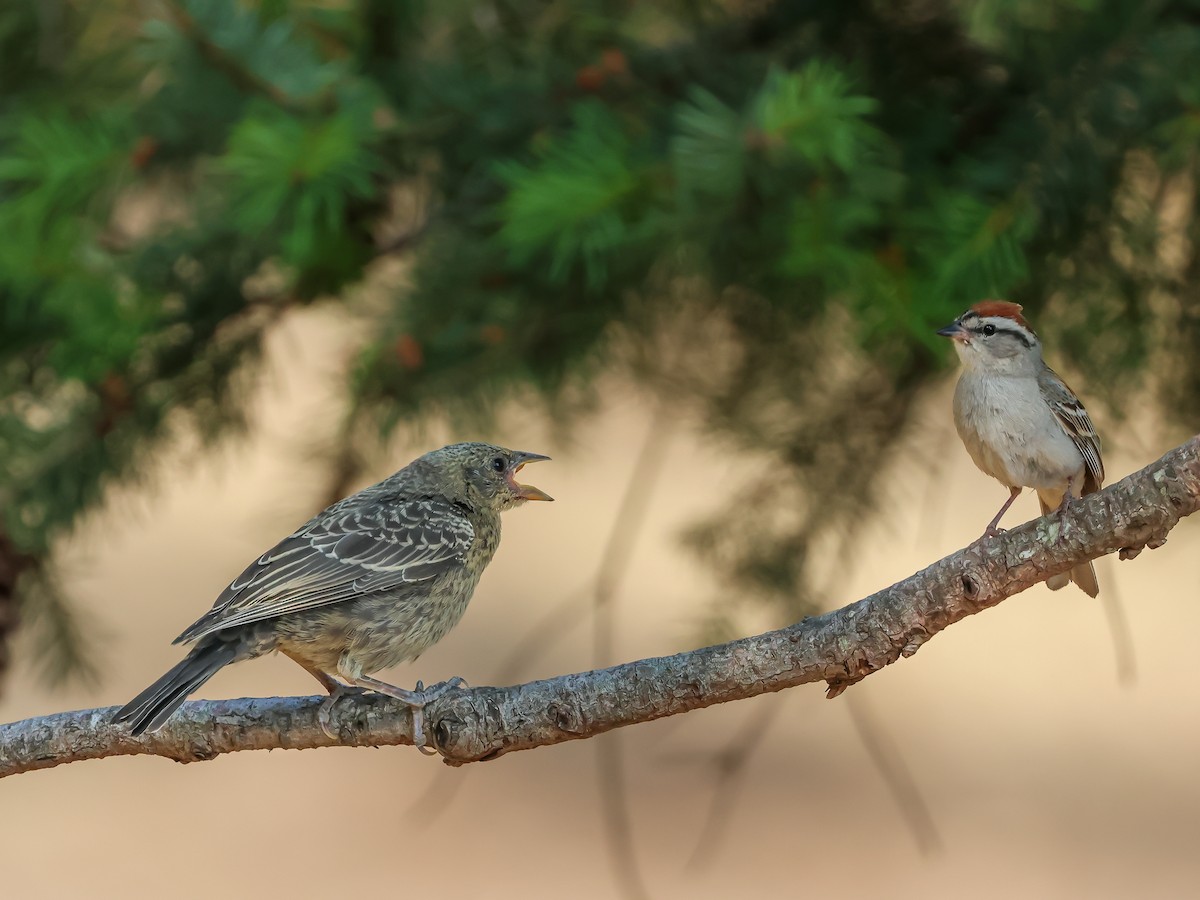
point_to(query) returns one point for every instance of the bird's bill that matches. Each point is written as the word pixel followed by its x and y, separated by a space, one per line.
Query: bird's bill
pixel 529 492
pixel 526 491
pixel 955 332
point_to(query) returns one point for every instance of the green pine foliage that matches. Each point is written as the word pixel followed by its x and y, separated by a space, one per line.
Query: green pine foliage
pixel 760 209
pixel 580 205
pixel 293 178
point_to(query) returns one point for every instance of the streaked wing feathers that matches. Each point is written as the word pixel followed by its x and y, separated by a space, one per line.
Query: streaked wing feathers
pixel 344 555
pixel 1077 424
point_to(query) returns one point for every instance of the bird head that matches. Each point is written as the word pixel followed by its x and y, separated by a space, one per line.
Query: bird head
pixel 488 474
pixel 993 336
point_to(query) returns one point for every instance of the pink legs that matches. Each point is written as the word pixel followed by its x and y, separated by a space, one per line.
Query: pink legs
pixel 1014 493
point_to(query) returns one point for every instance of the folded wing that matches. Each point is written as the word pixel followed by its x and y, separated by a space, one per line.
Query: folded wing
pixel 1077 424
pixel 345 554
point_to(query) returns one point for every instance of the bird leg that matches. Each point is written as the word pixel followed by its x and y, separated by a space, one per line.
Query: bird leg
pixel 336 693
pixel 992 530
pixel 416 700
pixel 336 690
pixel 1068 497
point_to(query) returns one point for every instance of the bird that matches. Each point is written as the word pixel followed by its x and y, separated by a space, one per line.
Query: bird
pixel 1020 422
pixel 370 582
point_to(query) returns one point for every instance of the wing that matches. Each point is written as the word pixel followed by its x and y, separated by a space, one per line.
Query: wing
pixel 342 554
pixel 1077 424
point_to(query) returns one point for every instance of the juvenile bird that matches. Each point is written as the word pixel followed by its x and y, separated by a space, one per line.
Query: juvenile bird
pixel 1020 422
pixel 371 582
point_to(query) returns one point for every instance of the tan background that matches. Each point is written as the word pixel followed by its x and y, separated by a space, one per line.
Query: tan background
pixel 1045 778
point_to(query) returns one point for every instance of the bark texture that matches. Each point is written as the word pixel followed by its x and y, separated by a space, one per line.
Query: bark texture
pixel 839 648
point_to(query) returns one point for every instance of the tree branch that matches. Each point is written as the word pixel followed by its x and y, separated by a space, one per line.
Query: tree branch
pixel 839 648
pixel 239 74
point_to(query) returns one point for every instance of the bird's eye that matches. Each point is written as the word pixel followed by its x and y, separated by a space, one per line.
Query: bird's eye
pixel 989 329
pixel 498 464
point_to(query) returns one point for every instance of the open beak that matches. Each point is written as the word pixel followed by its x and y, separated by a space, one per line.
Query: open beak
pixel 955 332
pixel 526 491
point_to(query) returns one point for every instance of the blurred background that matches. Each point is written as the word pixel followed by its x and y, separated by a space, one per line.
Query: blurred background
pixel 257 255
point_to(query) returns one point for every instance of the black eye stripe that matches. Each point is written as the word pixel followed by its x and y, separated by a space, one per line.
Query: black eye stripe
pixel 1003 329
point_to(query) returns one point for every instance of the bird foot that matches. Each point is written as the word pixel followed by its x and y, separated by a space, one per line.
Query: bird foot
pixel 416 700
pixel 421 698
pixel 1068 499
pixel 324 714
pixel 992 531
pixel 441 689
pixel 1062 511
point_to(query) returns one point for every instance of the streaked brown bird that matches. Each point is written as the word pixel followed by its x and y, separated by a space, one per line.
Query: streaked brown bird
pixel 371 582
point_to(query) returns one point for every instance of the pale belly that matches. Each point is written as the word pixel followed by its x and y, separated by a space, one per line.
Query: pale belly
pixel 1012 435
pixel 376 631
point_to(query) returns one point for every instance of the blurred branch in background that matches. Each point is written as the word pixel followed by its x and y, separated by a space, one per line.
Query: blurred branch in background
pixel 732 763
pixel 555 625
pixel 614 563
pixel 13 564
pixel 896 775
pixel 733 760
pixel 840 648
pixel 1122 635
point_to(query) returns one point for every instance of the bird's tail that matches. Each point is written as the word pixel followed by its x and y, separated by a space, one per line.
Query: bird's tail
pixel 153 706
pixel 1083 575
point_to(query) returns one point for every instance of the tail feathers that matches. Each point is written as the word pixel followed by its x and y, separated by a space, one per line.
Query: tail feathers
pixel 150 709
pixel 1084 576
pixel 1085 579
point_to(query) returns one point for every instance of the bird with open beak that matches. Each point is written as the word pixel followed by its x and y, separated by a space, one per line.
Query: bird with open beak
pixel 1019 421
pixel 371 582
